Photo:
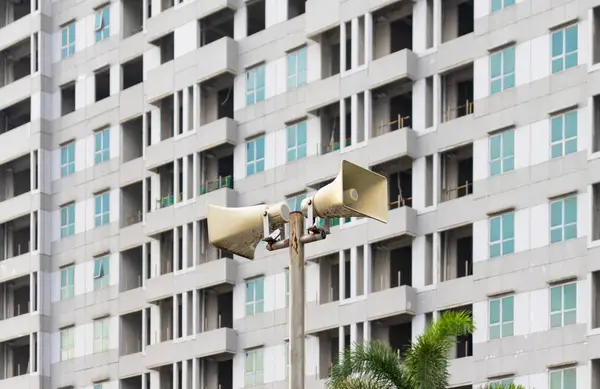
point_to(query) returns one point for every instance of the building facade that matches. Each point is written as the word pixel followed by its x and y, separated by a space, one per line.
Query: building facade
pixel 121 120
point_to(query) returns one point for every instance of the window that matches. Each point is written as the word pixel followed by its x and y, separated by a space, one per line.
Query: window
pixel 255 296
pixel 564 48
pixel 502 317
pixel 68 40
pixel 255 85
pixel 287 359
pixel 295 203
pixel 502 70
pixel 502 152
pixel 102 209
pixel 67 283
pixel 67 159
pixel 99 386
pixel 501 383
pixel 563 219
pixel 102 145
pixel 254 368
pixel 563 305
pixel 497 5
pixel 67 343
pixel 101 329
pixel 101 272
pixel 67 220
pixel 563 137
pixel 296 142
pixel 502 235
pixel 563 379
pixel 287 287
pixel 102 25
pixel 296 71
pixel 255 156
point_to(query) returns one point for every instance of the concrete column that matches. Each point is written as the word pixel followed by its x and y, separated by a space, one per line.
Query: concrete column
pixel 342 124
pixel 176 187
pixel 186 109
pixel 342 48
pixel 368 39
pixel 33 298
pixel 342 268
pixel 144 198
pixel 436 179
pixel 353 334
pixel 145 17
pixel 436 265
pixel 367 268
pixel 437 108
pixel 353 272
pixel 176 128
pixel 354 119
pixel 342 335
pixel 437 23
pixel 175 248
pixel 145 384
pixel 176 318
pixel 144 264
pixel 368 113
pixel 366 331
pixel 175 375
pixel 33 233
pixel 195 312
pixel 144 330
pixel 354 30
pixel 195 175
pixel 155 126
pixel 195 242
pixel 195 363
pixel 196 106
pixel 184 316
pixel 184 374
pixel 144 125
pixel 186 178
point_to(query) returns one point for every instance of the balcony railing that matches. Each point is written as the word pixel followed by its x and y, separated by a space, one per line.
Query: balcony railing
pixel 456 112
pixel 134 218
pixel 167 200
pixel 459 191
pixel 401 202
pixel 221 182
pixel 333 146
pixel 401 122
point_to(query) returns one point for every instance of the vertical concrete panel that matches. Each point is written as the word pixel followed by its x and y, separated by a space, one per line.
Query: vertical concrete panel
pixel 481 159
pixel 481 75
pixel 80 92
pixel 113 268
pixel 269 293
pixel 313 66
pixel 521 314
pixel 480 316
pixel 280 147
pixel 239 27
pixel 523 65
pixel 115 205
pixel 80 221
pixel 540 57
pixel 522 146
pixel 539 225
pixel 312 283
pixel 239 96
pixel 418 262
pixel 539 315
pixel 582 37
pixel 418 105
pixel 239 161
pixel 113 340
pixel 420 26
pixel 583 214
pixel 540 140
pixel 480 240
pixel 115 20
pixel 522 230
pixel 80 341
pixel 481 9
pixel 186 38
pixel 584 288
pixel 238 369
pixel 278 290
pixel 270 150
pixel 418 183
pixel 281 75
pixel 270 79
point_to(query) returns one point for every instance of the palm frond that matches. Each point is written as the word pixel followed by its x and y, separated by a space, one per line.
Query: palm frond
pixel 425 365
pixel 374 364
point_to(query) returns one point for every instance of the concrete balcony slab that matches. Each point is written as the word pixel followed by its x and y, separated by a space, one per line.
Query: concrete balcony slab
pixel 18 139
pixel 15 92
pixel 217 133
pixel 19 326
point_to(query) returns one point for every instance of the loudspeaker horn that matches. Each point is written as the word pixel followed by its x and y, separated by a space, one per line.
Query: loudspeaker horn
pixel 239 230
pixel 355 192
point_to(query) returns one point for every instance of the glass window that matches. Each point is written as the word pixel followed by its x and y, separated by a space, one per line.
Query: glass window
pixel 563 379
pixel 102 145
pixel 102 209
pixel 254 370
pixel 296 71
pixel 564 48
pixel 563 305
pixel 67 343
pixel 502 235
pixel 501 383
pixel 102 24
pixel 502 317
pixel 563 134
pixel 502 70
pixel 67 220
pixel 67 159
pixel 99 386
pixel 295 203
pixel 287 288
pixel 563 219
pixel 101 329
pixel 255 156
pixel 255 85
pixel 101 272
pixel 67 283
pixel 497 5
pixel 255 296
pixel 68 40
pixel 287 359
pixel 296 141
pixel 502 152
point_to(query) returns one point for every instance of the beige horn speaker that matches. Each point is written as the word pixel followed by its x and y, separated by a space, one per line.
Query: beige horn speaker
pixel 239 230
pixel 355 192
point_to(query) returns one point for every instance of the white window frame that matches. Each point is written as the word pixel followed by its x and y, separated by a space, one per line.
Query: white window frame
pixel 101 339
pixel 101 275
pixel 102 217
pixel 67 290
pixel 65 229
pixel 67 343
pixel 68 45
pixel 254 302
pixel 295 75
pixel 254 377
pixel 103 154
pixel 101 27
pixel 562 376
pixel 67 168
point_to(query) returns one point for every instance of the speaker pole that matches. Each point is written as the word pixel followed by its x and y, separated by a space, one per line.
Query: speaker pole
pixel 297 282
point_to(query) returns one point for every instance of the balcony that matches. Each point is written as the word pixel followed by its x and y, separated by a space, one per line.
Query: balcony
pixel 208 274
pixel 17 137
pixel 163 80
pixel 401 300
pixel 220 132
pixel 219 343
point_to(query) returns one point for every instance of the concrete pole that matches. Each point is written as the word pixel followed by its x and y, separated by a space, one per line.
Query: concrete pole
pixel 297 301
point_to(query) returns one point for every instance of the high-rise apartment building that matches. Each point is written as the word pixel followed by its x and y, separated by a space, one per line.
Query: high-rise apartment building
pixel 120 121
